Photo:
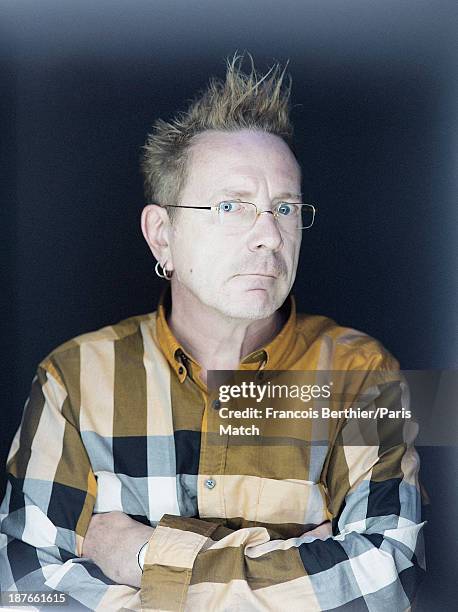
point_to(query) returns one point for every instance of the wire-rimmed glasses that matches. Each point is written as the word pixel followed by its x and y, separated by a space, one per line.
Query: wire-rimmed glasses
pixel 234 214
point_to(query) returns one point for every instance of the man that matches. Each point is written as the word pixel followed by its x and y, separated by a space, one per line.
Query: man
pixel 116 496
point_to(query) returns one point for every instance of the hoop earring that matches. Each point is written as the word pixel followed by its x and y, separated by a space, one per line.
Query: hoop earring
pixel 162 272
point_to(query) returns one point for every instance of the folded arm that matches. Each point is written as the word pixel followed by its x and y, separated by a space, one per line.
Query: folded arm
pixel 373 557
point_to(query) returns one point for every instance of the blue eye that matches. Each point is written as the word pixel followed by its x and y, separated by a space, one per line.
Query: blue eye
pixel 229 207
pixel 285 209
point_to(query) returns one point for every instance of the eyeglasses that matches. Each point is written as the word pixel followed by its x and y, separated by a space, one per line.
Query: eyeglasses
pixel 234 214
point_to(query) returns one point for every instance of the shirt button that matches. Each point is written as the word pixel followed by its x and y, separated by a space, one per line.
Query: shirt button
pixel 180 370
pixel 210 483
pixel 216 404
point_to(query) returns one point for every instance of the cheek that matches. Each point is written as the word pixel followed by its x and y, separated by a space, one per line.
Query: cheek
pixel 291 252
pixel 185 247
pixel 196 255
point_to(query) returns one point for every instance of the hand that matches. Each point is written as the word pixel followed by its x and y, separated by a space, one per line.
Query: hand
pixel 112 542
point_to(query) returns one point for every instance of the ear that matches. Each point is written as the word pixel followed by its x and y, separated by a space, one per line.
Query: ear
pixel 156 229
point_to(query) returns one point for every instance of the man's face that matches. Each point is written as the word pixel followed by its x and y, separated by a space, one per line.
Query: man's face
pixel 242 274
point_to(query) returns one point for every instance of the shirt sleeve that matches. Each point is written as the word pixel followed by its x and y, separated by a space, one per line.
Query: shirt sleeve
pixel 50 495
pixel 373 560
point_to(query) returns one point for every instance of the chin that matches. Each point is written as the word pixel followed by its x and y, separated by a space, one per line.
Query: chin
pixel 253 305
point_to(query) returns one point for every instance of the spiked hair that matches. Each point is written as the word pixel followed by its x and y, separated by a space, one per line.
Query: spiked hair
pixel 242 101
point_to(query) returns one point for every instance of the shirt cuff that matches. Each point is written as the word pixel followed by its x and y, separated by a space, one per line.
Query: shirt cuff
pixel 169 559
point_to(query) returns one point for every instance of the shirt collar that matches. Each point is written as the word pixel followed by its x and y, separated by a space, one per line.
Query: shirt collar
pixel 271 356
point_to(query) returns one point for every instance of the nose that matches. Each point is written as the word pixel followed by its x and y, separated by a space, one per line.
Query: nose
pixel 265 233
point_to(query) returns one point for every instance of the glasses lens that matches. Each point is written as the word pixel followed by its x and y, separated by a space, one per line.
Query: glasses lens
pixel 233 214
pixel 307 216
pixel 293 216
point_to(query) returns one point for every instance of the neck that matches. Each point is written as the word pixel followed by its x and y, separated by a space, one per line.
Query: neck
pixel 215 341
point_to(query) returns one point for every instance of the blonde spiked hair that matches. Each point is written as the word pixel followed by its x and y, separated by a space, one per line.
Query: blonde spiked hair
pixel 242 101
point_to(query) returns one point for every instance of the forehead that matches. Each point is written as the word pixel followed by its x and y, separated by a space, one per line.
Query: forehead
pixel 243 159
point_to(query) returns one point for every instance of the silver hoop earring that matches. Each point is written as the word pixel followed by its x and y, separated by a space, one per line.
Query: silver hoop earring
pixel 162 272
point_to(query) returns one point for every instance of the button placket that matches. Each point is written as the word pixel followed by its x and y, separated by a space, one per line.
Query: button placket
pixel 212 459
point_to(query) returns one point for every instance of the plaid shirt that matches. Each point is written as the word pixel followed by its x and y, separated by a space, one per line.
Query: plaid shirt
pixel 116 421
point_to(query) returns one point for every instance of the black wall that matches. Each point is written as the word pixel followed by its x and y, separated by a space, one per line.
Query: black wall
pixel 374 88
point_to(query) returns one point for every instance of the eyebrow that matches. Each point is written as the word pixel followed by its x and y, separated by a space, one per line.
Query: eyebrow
pixel 249 194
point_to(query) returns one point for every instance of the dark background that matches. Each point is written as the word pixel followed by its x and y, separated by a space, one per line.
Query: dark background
pixel 375 93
